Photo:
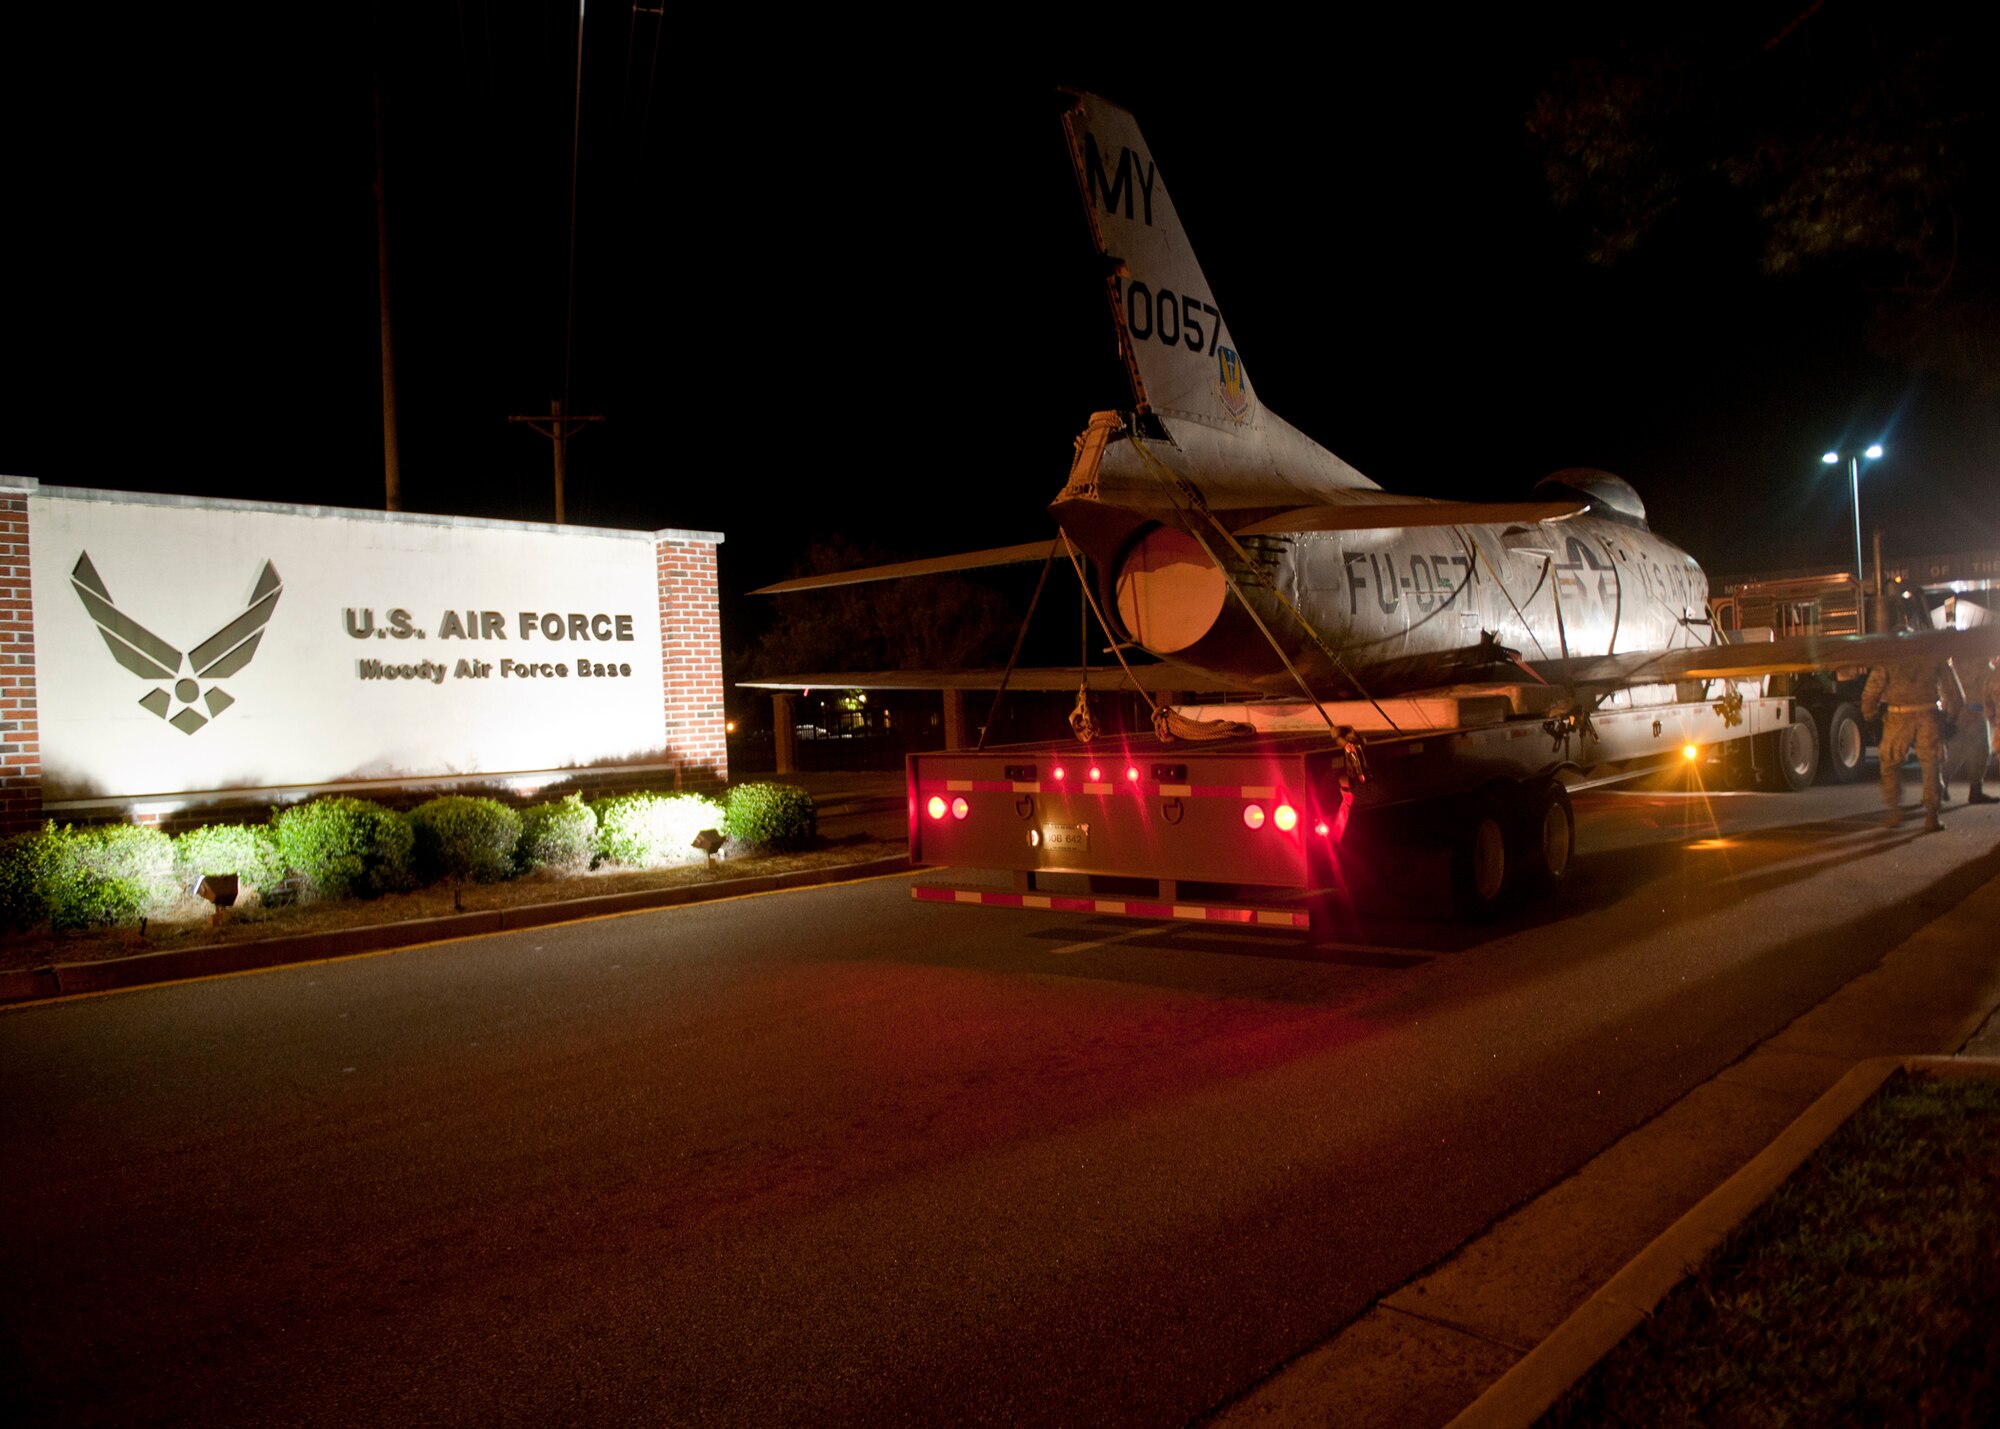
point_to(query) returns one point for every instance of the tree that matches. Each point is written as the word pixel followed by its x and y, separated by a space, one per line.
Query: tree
pixel 1853 143
pixel 925 623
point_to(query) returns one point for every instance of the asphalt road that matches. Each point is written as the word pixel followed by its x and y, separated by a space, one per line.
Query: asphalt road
pixel 831 1157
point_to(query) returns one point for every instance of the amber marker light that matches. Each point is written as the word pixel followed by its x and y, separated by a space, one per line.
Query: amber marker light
pixel 1690 752
pixel 1285 817
pixel 936 806
pixel 1253 816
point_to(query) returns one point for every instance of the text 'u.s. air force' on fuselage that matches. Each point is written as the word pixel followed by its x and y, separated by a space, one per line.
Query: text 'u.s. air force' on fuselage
pixel 1218 537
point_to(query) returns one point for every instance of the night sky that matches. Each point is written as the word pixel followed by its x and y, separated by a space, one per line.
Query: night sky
pixel 821 289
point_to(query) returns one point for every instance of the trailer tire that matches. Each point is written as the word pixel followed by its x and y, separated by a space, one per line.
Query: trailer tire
pixel 1546 839
pixel 1480 858
pixel 1788 758
pixel 1842 745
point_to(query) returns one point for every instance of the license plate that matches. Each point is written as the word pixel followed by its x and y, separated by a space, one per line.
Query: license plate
pixel 1067 838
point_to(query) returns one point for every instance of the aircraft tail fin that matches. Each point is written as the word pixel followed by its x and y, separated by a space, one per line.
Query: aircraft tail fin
pixel 1176 345
pixel 1183 364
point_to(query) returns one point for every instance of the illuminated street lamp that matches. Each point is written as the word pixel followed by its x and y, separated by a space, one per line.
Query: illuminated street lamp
pixel 1873 453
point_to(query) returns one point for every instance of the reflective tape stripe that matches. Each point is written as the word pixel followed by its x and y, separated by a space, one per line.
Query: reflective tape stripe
pixel 1165 791
pixel 1118 907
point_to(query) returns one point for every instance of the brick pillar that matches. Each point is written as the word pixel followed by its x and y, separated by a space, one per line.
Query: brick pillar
pixel 691 658
pixel 20 735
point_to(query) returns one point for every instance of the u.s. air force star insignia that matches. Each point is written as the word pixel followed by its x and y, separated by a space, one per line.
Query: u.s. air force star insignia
pixel 146 655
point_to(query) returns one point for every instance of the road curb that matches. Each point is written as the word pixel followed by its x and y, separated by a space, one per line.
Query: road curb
pixel 1528 1390
pixel 181 964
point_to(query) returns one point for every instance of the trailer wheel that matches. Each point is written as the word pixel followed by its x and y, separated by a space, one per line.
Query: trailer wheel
pixel 1479 859
pixel 1547 838
pixel 1840 754
pixel 1788 758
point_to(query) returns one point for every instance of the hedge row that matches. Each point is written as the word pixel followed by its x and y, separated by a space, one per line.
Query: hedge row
pixel 338 847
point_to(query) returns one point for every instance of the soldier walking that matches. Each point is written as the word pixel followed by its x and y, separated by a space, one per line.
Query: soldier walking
pixel 1921 696
pixel 1986 688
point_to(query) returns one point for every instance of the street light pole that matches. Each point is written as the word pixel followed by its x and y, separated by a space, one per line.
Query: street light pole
pixel 1854 496
pixel 1873 453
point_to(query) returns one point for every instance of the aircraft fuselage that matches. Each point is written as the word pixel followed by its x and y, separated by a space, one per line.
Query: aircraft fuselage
pixel 1401 607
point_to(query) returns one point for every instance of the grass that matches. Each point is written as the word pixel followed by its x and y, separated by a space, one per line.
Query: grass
pixel 1865 1292
pixel 188 923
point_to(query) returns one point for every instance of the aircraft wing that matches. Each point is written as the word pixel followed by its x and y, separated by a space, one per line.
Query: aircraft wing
pixel 1792 655
pixel 1373 515
pixel 1107 679
pixel 1398 514
pixel 936 565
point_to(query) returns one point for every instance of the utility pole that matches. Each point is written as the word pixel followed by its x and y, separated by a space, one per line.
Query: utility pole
pixel 558 429
pixel 392 468
pixel 558 426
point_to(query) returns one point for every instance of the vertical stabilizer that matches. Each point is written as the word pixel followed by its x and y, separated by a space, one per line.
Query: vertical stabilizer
pixel 1184 366
pixel 1176 345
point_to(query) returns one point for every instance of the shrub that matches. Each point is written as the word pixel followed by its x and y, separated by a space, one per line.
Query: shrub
pixel 107 873
pixel 560 835
pixel 24 868
pixel 776 816
pixel 344 846
pixel 246 850
pixel 461 837
pixel 646 830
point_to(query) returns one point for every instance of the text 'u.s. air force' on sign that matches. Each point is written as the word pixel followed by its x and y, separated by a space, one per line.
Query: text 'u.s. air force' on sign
pixel 529 626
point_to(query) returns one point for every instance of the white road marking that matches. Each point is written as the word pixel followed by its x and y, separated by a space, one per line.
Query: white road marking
pixel 1139 932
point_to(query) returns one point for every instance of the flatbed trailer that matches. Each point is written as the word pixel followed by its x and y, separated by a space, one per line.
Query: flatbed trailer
pixel 1285 825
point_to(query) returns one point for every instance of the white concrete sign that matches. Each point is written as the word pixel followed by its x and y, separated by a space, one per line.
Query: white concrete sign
pixel 185 646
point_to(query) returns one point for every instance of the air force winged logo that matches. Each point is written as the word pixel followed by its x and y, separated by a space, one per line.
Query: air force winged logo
pixel 188 676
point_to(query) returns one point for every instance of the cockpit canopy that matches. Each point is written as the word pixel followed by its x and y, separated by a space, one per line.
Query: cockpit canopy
pixel 1608 495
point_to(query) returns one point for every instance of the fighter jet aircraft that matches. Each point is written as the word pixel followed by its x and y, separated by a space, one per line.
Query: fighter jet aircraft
pixel 1212 534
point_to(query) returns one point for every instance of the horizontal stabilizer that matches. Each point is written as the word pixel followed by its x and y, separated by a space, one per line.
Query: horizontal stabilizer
pixel 1792 655
pixel 937 565
pixel 1385 515
pixel 1105 679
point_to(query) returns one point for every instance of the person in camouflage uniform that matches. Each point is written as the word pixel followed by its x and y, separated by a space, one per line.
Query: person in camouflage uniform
pixel 1921 696
pixel 1986 690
